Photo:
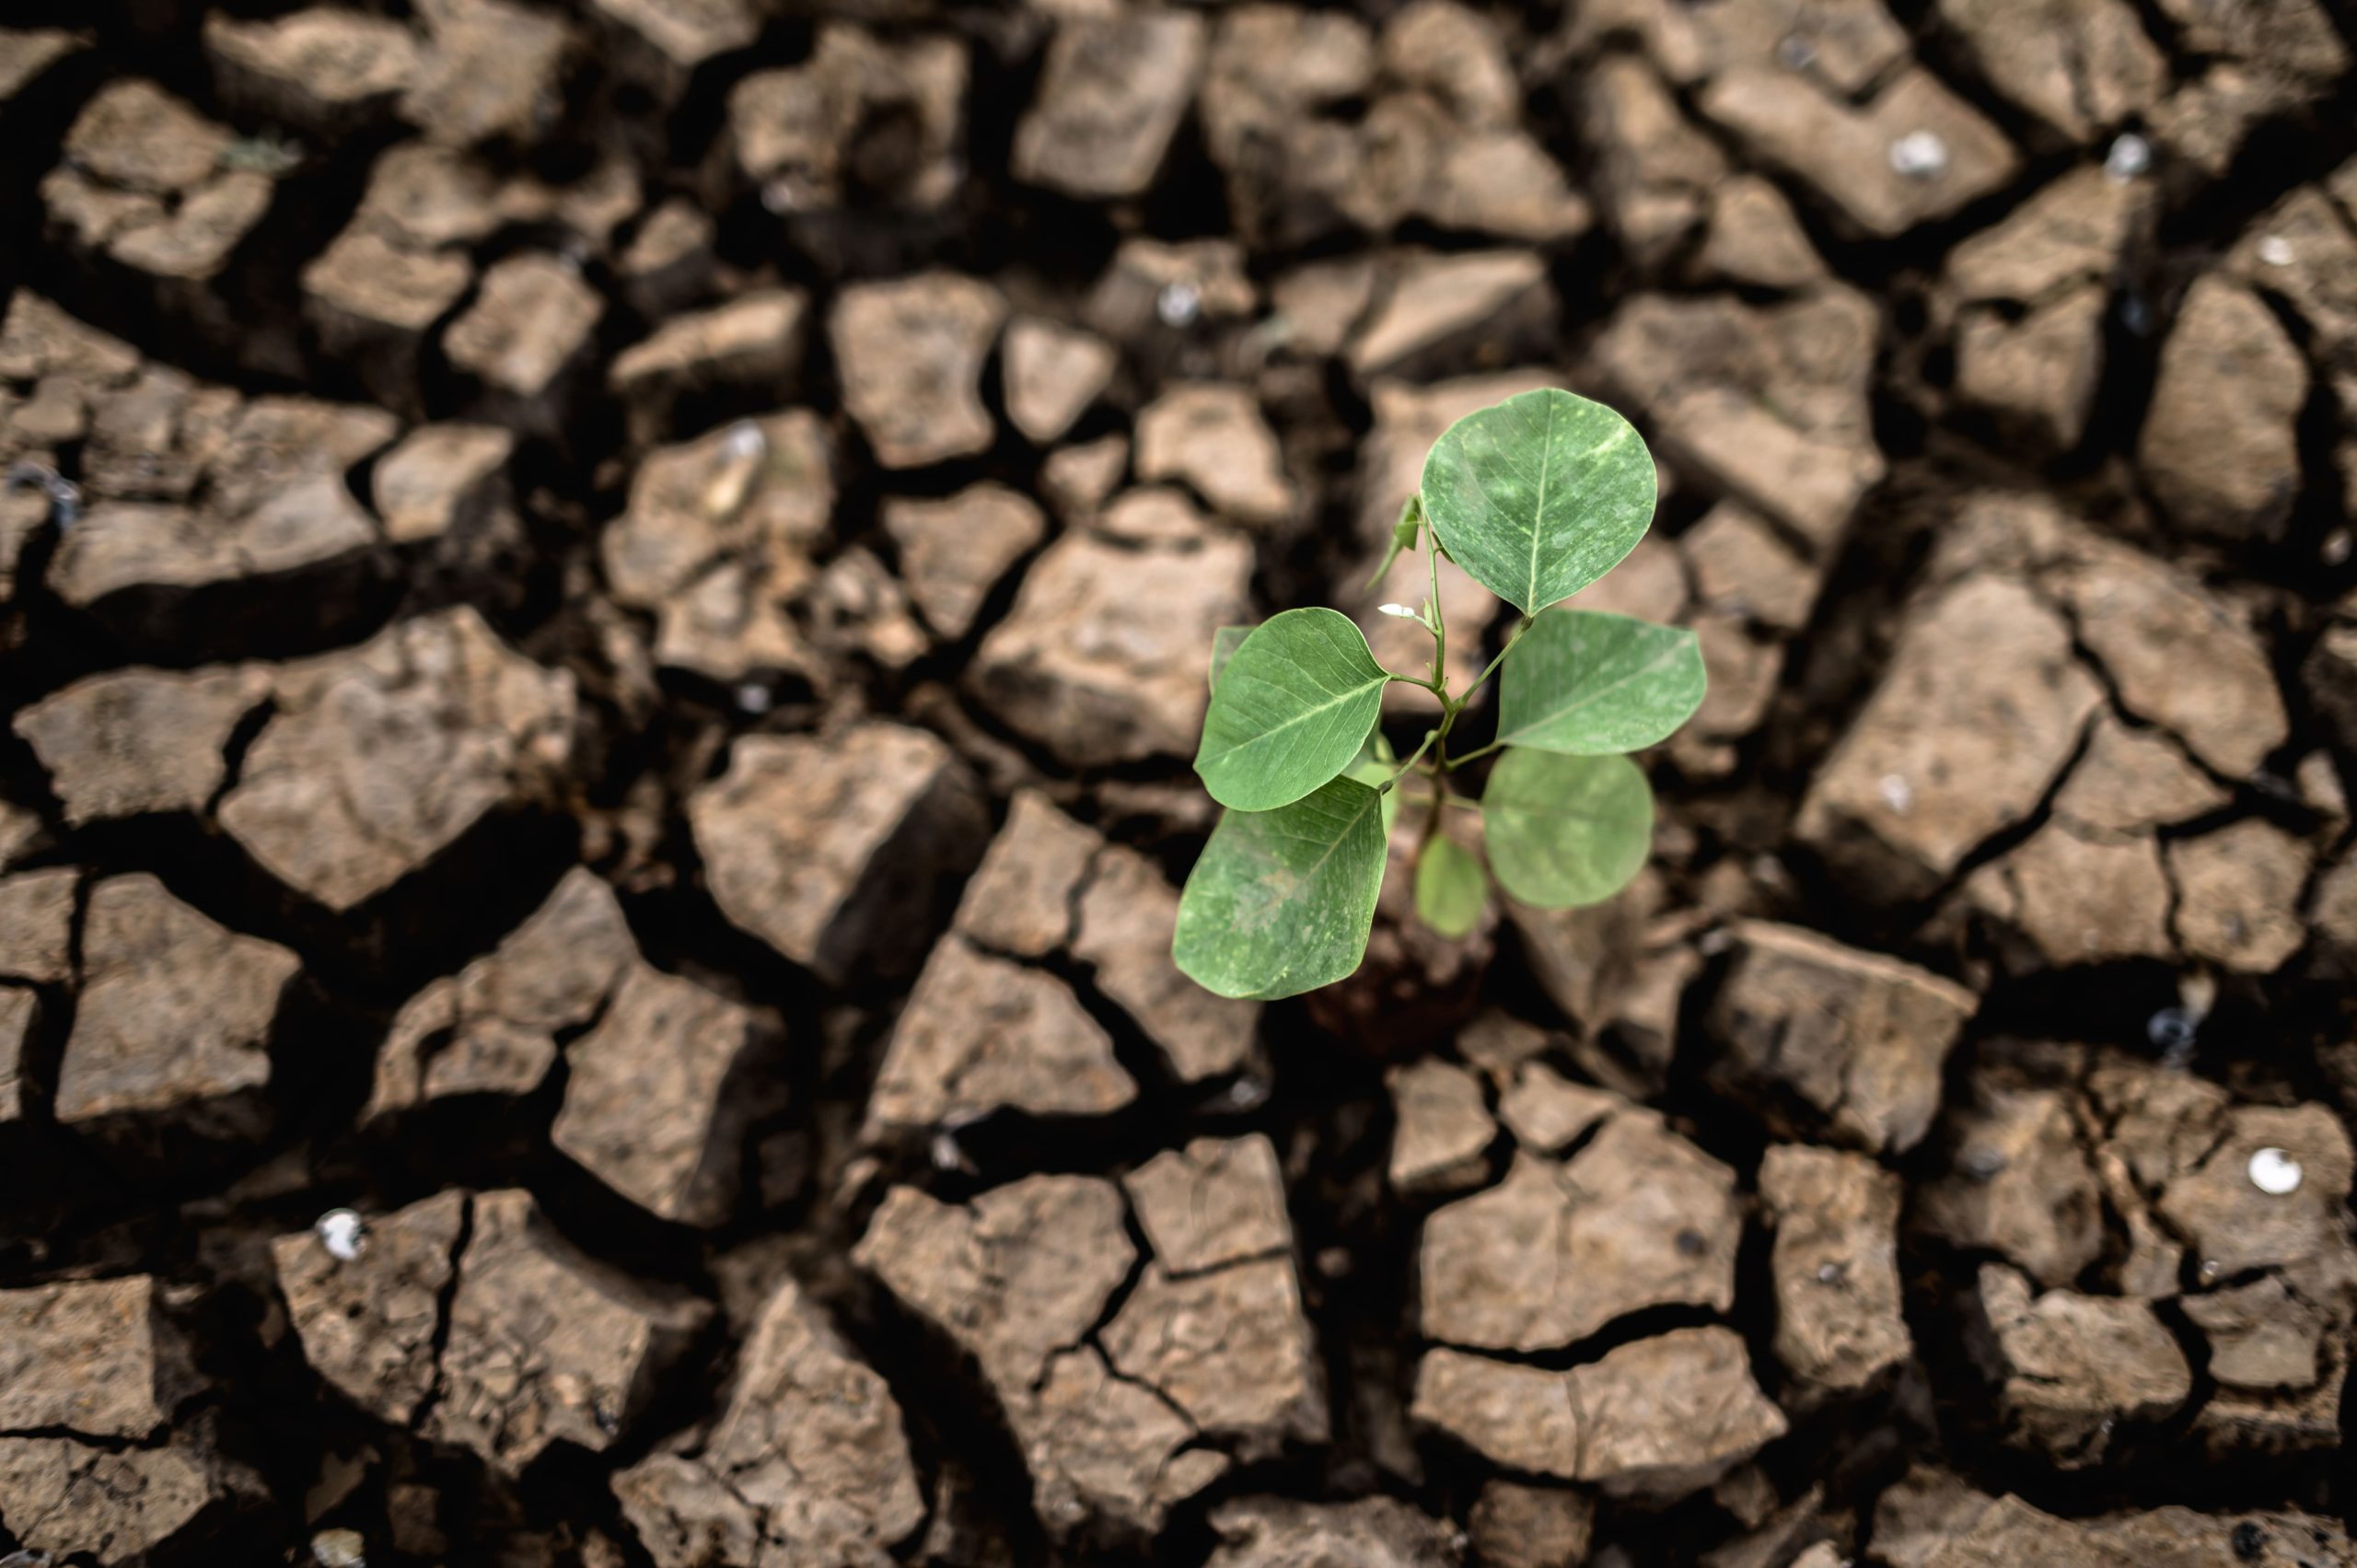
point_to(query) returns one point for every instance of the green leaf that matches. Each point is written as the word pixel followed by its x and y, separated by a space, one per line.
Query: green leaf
pixel 1290 711
pixel 1592 684
pixel 1225 641
pixel 1451 887
pixel 1373 767
pixel 1404 534
pixel 1539 496
pixel 1282 901
pixel 1566 831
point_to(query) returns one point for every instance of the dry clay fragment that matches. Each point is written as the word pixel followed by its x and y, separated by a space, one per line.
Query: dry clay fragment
pixel 176 1011
pixel 2021 1184
pixel 37 925
pixel 2221 442
pixel 1110 97
pixel 323 70
pixel 1053 373
pixel 531 324
pixel 2232 1225
pixel 1374 1532
pixel 831 851
pixel 442 479
pixel 1214 1203
pixel 60 1496
pixel 660 1093
pixel 751 343
pixel 132 741
pixel 18 1010
pixel 377 759
pixel 152 184
pixel 492 1027
pixel 1513 1526
pixel 808 1468
pixel 2081 68
pixel 545 1345
pixel 954 551
pixel 1859 1039
pixel 1839 1327
pixel 1212 437
pixel 1129 915
pixel 368 1323
pixel 1441 1129
pixel 1639 1217
pixel 490 72
pixel 94 1358
pixel 2073 1365
pixel 910 354
pixel 1659 1418
pixel 1931 1520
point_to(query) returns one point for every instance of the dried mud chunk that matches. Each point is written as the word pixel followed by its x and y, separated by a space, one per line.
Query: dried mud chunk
pixel 1767 402
pixel 2303 252
pixel 911 356
pixel 2238 895
pixel 954 551
pixel 809 1465
pixel 1374 1532
pixel 531 323
pixel 93 1358
pixel 831 851
pixel 982 1034
pixel 2072 1365
pixel 2234 1225
pixel 2295 36
pixel 367 1324
pixel 1858 1039
pixel 1521 1417
pixel 442 479
pixel 1839 1327
pixel 373 300
pixel 2220 444
pixel 1846 156
pixel 862 122
pixel 1438 310
pixel 175 1011
pixel 655 1106
pixel 1442 1128
pixel 1103 1451
pixel 323 70
pixel 37 925
pixel 1654 171
pixel 2075 230
pixel 1755 241
pixel 492 1027
pixel 1742 566
pixel 377 759
pixel 153 183
pixel 140 740
pixel 668 262
pixel 1669 1415
pixel 58 1495
pixel 26 54
pixel 1212 436
pixel 1638 1218
pixel 2021 1185
pixel 490 72
pixel 1112 94
pixel 2037 374
pixel 2261 1336
pixel 2129 780
pixel 266 492
pixel 1231 1348
pixel 545 1346
pixel 1101 660
pixel 752 344
pixel 662 44
pixel 1020 900
pixel 1932 1521
pixel 1129 915
pixel 2081 895
pixel 1053 373
pixel 18 1010
pixel 1546 1111
pixel 1980 708
pixel 1514 1526
pixel 1217 1201
pixel 2081 68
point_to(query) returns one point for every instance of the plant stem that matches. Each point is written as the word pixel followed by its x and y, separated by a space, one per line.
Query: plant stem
pixel 1413 757
pixel 1440 625
pixel 1480 752
pixel 1512 638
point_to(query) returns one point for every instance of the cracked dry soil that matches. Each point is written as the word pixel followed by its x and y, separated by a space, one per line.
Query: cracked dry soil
pixel 603 612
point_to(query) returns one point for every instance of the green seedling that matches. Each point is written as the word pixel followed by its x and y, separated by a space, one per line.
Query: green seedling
pixel 1534 498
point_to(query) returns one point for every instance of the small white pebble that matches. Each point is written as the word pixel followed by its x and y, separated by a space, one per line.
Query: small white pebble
pixel 1178 304
pixel 2276 251
pixel 779 196
pixel 1897 792
pixel 343 1233
pixel 2274 1172
pixel 745 440
pixel 1796 51
pixel 2131 155
pixel 2336 546
pixel 1402 611
pixel 1920 154
pixel 753 699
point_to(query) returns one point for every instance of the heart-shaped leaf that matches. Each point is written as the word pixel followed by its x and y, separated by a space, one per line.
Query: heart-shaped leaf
pixel 1225 641
pixel 1566 831
pixel 1291 710
pixel 1592 684
pixel 1451 887
pixel 1539 496
pixel 1282 901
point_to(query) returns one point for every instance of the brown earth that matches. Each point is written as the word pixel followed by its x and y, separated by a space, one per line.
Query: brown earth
pixel 602 613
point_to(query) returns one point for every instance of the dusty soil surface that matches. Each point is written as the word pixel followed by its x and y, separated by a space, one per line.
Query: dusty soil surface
pixel 602 610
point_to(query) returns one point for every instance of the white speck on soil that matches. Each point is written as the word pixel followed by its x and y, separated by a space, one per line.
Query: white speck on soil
pixel 2274 1172
pixel 1178 304
pixel 1920 154
pixel 1898 793
pixel 2276 251
pixel 343 1233
pixel 2131 155
pixel 752 698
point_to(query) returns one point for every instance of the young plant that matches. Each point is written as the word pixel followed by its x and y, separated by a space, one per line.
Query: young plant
pixel 1534 498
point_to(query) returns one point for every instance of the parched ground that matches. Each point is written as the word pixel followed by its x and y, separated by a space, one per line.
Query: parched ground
pixel 603 612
